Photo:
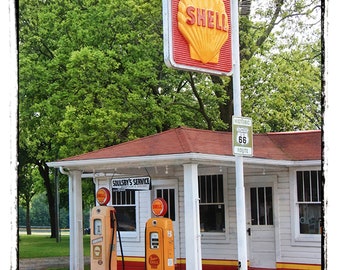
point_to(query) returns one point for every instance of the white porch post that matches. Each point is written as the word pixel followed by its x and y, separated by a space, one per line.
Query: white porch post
pixel 76 221
pixel 193 254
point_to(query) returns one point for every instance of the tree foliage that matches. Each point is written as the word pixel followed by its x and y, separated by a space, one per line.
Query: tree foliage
pixel 91 74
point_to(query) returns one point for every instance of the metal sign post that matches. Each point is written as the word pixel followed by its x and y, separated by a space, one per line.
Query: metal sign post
pixel 240 196
pixel 180 36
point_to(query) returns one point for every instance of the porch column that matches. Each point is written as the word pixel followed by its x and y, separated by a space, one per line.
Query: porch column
pixel 193 254
pixel 76 221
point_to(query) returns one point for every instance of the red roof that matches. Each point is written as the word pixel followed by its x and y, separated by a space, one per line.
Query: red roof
pixel 301 145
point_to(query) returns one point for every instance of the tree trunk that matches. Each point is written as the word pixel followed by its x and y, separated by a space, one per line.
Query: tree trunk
pixel 44 172
pixel 226 108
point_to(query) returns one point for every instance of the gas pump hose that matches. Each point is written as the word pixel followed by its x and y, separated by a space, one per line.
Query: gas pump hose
pixel 120 245
pixel 112 238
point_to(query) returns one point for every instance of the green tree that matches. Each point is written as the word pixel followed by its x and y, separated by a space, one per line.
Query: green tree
pixel 267 30
pixel 40 211
pixel 91 74
pixel 281 102
pixel 28 186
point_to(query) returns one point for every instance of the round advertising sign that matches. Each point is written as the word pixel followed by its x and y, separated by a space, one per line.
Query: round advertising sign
pixel 154 260
pixel 103 196
pixel 159 207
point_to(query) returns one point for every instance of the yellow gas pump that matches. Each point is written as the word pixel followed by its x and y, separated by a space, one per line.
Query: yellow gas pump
pixel 103 234
pixel 159 239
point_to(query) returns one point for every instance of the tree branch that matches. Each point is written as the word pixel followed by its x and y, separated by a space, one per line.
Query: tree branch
pixel 262 39
pixel 200 102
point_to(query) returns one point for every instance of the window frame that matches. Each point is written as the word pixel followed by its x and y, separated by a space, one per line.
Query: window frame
pixel 217 237
pixel 130 234
pixel 297 237
pixel 105 181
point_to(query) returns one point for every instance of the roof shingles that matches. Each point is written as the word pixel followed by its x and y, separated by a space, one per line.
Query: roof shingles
pixel 304 145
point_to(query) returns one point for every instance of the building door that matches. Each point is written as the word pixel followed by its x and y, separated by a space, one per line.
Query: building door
pixel 168 190
pixel 260 225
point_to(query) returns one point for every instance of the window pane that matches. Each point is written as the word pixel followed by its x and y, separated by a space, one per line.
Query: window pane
pixel 211 203
pixel 172 205
pixel 320 186
pixel 119 201
pixel 114 198
pixel 310 216
pixel 166 195
pixel 126 217
pixel 220 189
pixel 212 218
pixel 306 181
pixel 309 211
pixel 262 211
pixel 315 186
pixel 133 196
pixel 269 205
pixel 123 197
pixel 124 203
pixel 203 189
pixel 299 186
pixel 210 188
pixel 166 198
pixel 208 192
pixel 214 188
pixel 253 201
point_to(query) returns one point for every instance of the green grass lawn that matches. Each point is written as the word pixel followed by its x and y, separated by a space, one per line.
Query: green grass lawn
pixel 40 246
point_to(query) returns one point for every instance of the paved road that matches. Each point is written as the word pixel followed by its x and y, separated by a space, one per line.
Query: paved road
pixel 46 263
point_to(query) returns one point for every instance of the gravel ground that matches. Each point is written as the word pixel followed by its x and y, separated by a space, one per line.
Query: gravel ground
pixel 46 263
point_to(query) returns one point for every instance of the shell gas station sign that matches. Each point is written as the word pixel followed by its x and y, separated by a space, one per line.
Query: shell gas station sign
pixel 197 35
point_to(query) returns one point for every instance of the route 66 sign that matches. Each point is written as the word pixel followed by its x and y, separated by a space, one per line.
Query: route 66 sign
pixel 242 136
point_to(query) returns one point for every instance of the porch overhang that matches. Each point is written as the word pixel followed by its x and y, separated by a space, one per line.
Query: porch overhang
pixel 174 159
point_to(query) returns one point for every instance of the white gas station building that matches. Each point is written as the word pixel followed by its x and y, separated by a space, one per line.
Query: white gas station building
pixel 194 171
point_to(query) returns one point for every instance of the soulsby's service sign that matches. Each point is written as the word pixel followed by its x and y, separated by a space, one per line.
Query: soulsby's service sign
pixel 197 35
pixel 131 183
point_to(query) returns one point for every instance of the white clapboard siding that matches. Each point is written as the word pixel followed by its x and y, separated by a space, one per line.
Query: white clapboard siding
pixel 283 248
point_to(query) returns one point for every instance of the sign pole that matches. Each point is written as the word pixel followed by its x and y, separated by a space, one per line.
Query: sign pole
pixel 177 54
pixel 240 192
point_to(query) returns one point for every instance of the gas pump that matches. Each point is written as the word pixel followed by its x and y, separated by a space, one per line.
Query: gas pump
pixel 103 233
pixel 159 239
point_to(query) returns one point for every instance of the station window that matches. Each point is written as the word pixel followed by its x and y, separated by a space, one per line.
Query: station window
pixel 212 207
pixel 261 199
pixel 125 205
pixel 309 197
pixel 169 196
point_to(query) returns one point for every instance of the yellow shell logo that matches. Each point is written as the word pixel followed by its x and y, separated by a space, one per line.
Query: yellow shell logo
pixel 204 25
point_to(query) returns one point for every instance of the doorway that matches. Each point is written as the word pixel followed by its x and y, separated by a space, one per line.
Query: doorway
pixel 260 225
